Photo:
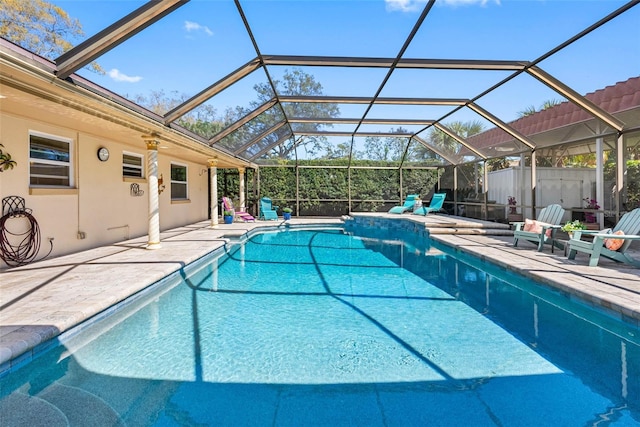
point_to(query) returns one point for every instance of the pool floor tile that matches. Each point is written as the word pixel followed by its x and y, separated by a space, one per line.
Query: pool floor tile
pixel 62 292
pixel 330 405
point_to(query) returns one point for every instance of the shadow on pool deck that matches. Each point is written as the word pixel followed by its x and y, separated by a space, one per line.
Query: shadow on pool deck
pixel 43 299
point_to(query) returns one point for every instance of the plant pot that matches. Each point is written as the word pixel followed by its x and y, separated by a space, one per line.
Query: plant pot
pixel 286 215
pixel 228 219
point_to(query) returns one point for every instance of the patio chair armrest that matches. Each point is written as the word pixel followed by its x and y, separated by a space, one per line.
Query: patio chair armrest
pixel 577 234
pixel 616 236
pixel 552 227
pixel 518 225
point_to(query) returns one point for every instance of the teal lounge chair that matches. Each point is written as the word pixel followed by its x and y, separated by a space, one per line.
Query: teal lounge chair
pixel 434 206
pixel 407 206
pixel 550 217
pixel 267 210
pixel 629 224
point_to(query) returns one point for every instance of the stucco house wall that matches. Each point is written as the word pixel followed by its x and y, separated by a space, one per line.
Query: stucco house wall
pixel 100 208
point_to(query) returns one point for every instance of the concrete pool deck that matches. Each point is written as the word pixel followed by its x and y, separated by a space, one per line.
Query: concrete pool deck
pixel 41 300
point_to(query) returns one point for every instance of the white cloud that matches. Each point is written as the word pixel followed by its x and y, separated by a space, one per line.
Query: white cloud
pixel 469 2
pixel 405 5
pixel 415 5
pixel 116 75
pixel 194 26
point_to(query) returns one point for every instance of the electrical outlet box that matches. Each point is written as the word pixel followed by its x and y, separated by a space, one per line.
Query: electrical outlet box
pixel 82 235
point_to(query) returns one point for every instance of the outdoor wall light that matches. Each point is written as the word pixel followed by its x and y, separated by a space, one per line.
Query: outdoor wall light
pixel 161 186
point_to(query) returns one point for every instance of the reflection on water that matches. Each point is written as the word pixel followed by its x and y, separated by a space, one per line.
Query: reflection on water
pixel 320 327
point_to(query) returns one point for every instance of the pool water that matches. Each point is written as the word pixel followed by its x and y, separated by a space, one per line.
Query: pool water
pixel 321 327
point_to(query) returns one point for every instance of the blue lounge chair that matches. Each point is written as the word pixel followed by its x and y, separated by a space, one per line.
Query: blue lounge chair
pixel 409 202
pixel 543 231
pixel 629 225
pixel 267 210
pixel 434 206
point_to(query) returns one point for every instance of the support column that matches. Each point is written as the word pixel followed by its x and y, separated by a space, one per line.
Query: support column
pixel 522 181
pixel 349 188
pixel 213 192
pixel 485 190
pixel 152 143
pixel 256 190
pixel 401 189
pixel 600 179
pixel 534 184
pixel 456 211
pixel 621 168
pixel 298 190
pixel 241 198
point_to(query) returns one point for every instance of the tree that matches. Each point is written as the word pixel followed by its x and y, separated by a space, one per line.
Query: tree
pixel 387 149
pixel 498 163
pixel 202 120
pixel 532 109
pixel 340 151
pixel 41 27
pixel 467 173
pixel 293 83
pixel 449 145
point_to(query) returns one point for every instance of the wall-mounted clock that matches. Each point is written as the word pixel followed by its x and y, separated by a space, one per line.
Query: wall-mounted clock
pixel 103 154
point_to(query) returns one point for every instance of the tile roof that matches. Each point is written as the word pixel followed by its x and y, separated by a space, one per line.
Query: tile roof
pixel 617 98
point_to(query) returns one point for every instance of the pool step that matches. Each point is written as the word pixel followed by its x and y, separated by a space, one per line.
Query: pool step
pixel 433 224
pixel 57 405
pixel 20 409
pixel 81 407
pixel 471 231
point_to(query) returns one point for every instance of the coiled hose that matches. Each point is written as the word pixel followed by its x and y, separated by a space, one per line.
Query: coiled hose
pixel 20 248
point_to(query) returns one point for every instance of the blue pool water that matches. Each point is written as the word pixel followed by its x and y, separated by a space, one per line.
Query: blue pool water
pixel 319 327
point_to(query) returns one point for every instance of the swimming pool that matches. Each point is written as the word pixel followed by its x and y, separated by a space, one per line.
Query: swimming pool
pixel 319 327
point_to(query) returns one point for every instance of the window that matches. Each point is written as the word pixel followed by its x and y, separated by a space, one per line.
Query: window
pixel 132 165
pixel 178 182
pixel 50 161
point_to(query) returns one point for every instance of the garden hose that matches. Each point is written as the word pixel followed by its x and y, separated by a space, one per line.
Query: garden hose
pixel 20 248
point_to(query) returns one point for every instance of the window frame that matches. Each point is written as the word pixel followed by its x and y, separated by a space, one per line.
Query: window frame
pixel 35 161
pixel 184 183
pixel 131 166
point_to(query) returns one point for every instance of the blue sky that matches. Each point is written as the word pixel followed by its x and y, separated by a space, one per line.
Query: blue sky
pixel 205 40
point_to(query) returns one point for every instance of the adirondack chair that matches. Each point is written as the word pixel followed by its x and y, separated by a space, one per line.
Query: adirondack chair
pixel 408 204
pixel 629 224
pixel 434 206
pixel 541 231
pixel 228 206
pixel 267 210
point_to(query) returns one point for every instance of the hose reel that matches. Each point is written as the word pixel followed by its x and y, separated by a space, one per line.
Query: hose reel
pixel 19 233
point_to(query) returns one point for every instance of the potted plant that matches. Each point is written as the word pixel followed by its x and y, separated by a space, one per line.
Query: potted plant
pixel 228 217
pixel 6 162
pixel 286 213
pixel 591 204
pixel 572 226
pixel 512 205
pixel 513 215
